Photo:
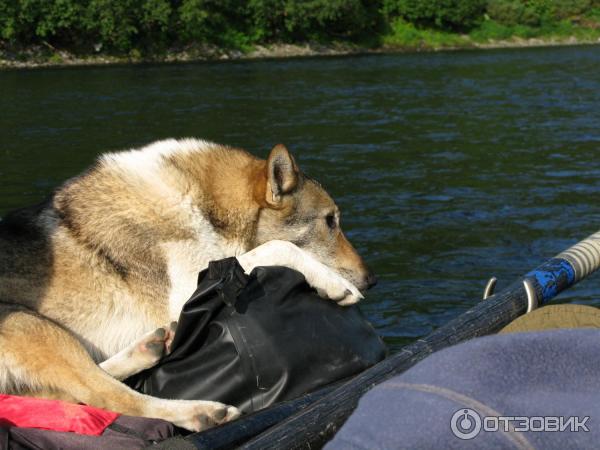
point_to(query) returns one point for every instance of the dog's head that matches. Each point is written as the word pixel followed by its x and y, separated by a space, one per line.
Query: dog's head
pixel 298 209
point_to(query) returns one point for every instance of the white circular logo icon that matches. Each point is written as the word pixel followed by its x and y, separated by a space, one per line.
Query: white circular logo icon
pixel 465 424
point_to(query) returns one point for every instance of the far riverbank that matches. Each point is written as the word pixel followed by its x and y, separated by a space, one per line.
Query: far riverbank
pixel 47 56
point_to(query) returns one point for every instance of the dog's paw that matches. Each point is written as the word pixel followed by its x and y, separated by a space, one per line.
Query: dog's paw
pixel 328 283
pixel 171 335
pixel 333 286
pixel 154 345
pixel 202 415
pixel 352 297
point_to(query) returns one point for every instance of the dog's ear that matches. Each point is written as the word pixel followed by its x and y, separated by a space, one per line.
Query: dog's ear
pixel 282 174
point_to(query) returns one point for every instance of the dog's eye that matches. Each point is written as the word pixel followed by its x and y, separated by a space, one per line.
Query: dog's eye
pixel 330 219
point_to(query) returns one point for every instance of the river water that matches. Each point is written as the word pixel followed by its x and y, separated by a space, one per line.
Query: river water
pixel 448 167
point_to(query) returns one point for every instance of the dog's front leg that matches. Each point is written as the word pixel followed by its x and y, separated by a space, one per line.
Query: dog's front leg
pixel 328 283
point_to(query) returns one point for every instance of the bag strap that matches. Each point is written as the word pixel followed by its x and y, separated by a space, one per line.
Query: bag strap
pixel 232 279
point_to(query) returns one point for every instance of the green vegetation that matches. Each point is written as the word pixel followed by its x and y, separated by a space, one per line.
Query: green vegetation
pixel 404 34
pixel 443 14
pixel 138 28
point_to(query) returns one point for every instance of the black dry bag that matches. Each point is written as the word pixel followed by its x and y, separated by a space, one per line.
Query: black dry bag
pixel 253 340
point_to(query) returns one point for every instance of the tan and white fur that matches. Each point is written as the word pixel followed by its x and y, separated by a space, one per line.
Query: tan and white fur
pixel 92 281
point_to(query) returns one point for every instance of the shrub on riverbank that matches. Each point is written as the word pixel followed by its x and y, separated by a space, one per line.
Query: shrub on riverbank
pixel 120 25
pixel 442 14
pixel 537 12
pixel 151 27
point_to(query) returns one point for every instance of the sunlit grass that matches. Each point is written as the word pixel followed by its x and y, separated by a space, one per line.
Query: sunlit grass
pixel 490 30
pixel 406 35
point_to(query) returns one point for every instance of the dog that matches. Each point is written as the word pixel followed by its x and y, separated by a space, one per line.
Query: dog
pixel 92 281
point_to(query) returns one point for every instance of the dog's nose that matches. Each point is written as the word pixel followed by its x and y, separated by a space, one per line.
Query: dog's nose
pixel 371 280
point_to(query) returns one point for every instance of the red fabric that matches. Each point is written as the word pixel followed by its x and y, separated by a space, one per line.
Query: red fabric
pixel 53 415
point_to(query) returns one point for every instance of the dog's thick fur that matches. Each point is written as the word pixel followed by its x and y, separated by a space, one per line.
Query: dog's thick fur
pixel 92 281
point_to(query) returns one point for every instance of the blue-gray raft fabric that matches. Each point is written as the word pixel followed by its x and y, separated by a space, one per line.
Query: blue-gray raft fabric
pixel 550 373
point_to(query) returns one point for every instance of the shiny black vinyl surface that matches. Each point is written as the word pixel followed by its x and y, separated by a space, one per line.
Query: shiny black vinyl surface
pixel 253 340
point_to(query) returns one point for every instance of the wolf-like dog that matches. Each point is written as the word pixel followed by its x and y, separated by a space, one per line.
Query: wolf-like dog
pixel 93 280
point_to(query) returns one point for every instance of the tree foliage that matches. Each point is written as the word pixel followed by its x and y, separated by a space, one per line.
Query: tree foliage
pixel 537 12
pixel 445 14
pixel 123 25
